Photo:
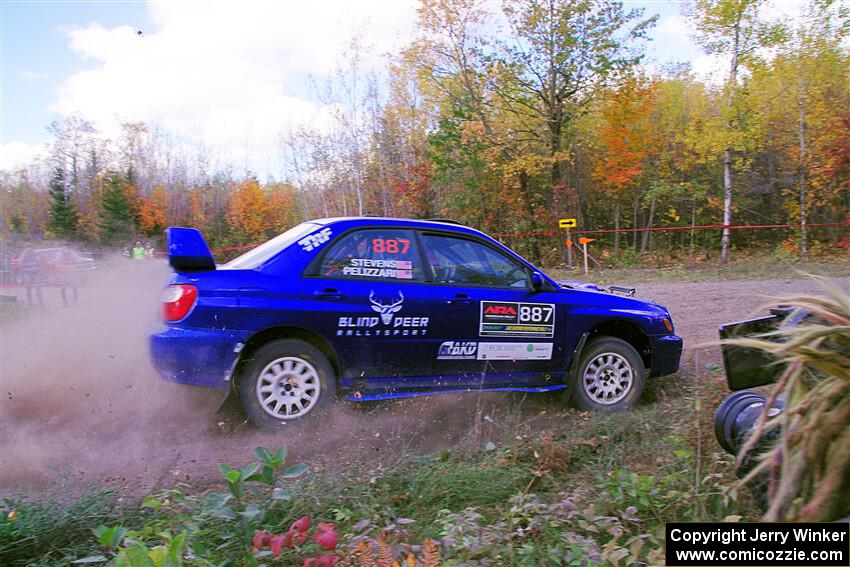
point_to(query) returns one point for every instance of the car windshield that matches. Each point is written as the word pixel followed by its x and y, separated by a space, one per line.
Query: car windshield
pixel 262 253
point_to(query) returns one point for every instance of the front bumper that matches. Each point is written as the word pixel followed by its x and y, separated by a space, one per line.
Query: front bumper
pixel 666 353
pixel 197 357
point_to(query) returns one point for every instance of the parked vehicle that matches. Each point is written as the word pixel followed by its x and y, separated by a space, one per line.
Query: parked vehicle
pixel 378 308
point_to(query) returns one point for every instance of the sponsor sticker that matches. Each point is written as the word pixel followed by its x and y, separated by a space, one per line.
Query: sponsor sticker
pixel 316 240
pixel 514 351
pixel 366 267
pixel 457 350
pixel 513 319
pixel 386 324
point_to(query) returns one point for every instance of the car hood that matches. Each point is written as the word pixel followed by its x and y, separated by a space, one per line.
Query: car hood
pixel 616 296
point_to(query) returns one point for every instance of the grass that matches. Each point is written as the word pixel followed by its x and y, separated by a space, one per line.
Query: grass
pixel 57 525
pixel 749 268
pixel 657 463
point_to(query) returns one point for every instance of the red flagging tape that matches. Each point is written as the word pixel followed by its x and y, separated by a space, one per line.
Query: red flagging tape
pixel 674 228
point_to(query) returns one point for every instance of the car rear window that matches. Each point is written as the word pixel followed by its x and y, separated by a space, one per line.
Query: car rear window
pixel 388 254
pixel 264 252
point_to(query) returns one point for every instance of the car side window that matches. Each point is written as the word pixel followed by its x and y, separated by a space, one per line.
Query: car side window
pixel 461 261
pixel 386 254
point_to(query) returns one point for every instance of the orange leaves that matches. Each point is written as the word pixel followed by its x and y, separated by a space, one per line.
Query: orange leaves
pixel 152 219
pixel 627 135
pixel 249 210
pixel 255 212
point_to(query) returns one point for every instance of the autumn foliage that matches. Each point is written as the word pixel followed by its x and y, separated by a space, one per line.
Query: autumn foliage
pixel 508 133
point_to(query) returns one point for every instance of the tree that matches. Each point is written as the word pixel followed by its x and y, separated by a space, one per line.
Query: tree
pixel 63 218
pixel 116 214
pixel 561 55
pixel 152 212
pixel 732 28
pixel 627 136
pixel 248 212
pixel 75 138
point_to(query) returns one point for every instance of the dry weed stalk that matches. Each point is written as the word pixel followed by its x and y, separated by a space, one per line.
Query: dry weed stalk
pixel 363 554
pixel 809 466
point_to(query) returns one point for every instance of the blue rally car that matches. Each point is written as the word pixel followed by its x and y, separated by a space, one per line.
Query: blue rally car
pixel 377 308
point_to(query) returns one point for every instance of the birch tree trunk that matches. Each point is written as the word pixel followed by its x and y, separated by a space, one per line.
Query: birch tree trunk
pixel 727 156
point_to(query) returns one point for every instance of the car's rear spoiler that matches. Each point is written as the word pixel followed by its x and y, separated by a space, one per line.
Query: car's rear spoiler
pixel 188 251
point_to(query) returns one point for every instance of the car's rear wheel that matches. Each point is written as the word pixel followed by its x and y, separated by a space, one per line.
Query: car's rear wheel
pixel 284 381
pixel 609 377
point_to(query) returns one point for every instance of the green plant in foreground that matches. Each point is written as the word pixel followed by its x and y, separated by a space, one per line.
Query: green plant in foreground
pixel 242 508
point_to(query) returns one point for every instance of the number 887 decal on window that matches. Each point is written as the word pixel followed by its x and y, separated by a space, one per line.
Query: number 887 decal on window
pixel 511 319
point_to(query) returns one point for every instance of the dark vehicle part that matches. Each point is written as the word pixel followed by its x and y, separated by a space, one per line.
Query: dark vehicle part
pixel 736 417
pixel 748 367
pixel 734 421
pixel 284 380
pixel 610 376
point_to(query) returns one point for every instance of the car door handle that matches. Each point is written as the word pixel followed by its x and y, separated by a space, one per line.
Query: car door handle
pixel 328 294
pixel 460 299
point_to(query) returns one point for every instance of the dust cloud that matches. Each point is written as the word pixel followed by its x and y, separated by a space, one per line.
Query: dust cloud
pixel 78 392
pixel 81 402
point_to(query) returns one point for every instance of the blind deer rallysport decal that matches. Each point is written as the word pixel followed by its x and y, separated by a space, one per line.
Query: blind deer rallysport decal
pixel 511 319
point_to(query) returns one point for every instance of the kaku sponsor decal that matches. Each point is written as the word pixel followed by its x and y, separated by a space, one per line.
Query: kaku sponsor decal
pixel 386 324
pixel 512 319
pixel 313 241
pixel 514 351
pixel 457 350
pixel 364 267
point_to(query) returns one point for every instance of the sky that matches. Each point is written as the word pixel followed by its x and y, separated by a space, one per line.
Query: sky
pixel 232 75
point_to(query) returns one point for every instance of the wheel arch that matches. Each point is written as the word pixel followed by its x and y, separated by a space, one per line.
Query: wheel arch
pixel 265 336
pixel 626 331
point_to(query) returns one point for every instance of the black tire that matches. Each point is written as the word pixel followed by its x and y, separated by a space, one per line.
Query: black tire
pixel 609 376
pixel 293 377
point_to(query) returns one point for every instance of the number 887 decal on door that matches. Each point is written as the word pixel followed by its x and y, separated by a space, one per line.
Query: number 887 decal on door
pixel 509 319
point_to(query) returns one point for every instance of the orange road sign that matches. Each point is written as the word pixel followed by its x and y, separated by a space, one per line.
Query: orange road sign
pixel 582 240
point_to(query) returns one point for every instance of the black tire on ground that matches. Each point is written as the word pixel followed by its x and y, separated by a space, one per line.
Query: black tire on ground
pixel 285 381
pixel 609 376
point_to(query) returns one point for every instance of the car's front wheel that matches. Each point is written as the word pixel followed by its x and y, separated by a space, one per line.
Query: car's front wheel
pixel 283 381
pixel 609 377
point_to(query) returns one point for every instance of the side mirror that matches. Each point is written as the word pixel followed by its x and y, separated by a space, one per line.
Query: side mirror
pixel 537 281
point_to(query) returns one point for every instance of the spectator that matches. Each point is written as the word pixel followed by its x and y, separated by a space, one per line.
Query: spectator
pixel 31 273
pixel 149 250
pixel 138 251
pixel 67 274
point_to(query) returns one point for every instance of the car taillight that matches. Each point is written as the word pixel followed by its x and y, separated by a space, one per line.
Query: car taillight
pixel 177 300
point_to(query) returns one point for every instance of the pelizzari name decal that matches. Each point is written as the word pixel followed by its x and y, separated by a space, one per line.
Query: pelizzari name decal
pixel 387 324
pixel 364 267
